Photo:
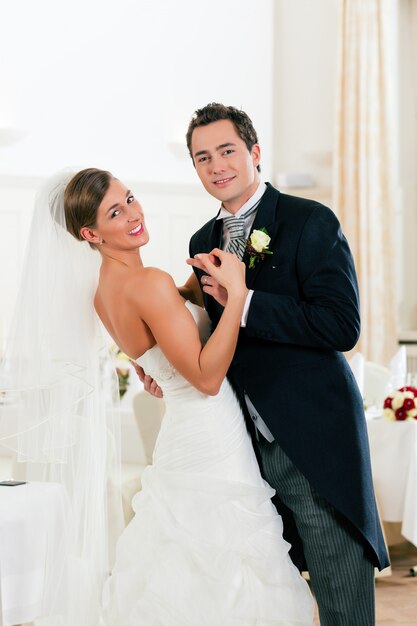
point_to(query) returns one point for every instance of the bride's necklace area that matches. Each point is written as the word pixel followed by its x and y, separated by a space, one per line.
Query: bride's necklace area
pixel 131 262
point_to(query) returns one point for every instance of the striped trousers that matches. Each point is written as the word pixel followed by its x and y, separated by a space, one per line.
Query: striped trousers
pixel 342 576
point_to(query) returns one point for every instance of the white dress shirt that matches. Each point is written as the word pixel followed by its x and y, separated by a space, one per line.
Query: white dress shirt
pixel 255 199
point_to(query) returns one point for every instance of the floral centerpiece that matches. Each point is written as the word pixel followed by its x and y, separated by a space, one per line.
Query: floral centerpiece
pixel 122 372
pixel 401 404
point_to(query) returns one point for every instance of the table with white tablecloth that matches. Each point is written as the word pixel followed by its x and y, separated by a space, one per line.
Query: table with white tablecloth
pixel 394 467
pixel 33 550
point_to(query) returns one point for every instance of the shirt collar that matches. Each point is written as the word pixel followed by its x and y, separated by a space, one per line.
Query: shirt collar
pixel 254 199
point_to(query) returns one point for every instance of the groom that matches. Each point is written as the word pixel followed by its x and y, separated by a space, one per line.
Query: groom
pixel 291 377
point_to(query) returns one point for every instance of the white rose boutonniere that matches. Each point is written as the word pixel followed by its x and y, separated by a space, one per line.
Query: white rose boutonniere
pixel 257 246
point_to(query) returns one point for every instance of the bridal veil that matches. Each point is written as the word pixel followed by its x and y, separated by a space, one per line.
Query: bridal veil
pixel 60 389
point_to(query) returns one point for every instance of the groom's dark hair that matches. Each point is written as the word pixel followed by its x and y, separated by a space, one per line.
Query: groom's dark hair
pixel 214 112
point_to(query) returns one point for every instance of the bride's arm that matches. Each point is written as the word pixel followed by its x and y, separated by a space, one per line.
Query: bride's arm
pixel 162 308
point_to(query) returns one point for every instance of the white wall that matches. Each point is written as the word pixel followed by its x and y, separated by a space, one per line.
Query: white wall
pixel 114 84
pixel 305 55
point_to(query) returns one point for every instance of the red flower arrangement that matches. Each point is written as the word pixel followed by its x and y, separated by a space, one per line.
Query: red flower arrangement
pixel 401 405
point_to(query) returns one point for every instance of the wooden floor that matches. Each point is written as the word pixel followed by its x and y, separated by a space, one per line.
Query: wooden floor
pixel 396 595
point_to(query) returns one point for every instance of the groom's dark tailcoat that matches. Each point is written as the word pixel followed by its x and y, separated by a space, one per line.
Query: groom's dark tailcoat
pixel 304 313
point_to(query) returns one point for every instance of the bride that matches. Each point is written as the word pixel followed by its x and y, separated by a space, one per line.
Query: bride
pixel 205 545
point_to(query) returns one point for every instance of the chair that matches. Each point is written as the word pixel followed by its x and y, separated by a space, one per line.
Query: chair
pixel 148 412
pixel 376 383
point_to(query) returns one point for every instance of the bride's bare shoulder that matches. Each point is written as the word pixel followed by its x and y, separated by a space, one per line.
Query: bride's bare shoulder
pixel 151 276
pixel 150 283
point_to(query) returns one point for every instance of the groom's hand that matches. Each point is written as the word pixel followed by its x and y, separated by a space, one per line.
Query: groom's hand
pixel 148 382
pixel 210 285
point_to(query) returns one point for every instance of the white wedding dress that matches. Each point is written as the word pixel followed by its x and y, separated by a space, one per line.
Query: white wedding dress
pixel 205 547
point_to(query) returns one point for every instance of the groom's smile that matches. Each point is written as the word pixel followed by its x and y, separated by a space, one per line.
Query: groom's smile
pixel 223 181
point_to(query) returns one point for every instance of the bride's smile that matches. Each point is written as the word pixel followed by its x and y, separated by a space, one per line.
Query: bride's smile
pixel 137 231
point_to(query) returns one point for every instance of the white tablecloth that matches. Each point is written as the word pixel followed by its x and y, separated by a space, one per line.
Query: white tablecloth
pixel 32 551
pixel 394 466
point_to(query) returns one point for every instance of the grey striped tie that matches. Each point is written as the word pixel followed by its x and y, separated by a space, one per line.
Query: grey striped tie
pixel 236 228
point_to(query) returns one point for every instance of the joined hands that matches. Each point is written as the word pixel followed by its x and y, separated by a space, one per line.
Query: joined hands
pixel 221 271
pixel 224 275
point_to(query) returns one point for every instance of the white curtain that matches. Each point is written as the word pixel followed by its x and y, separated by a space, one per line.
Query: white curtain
pixel 364 175
pixel 407 159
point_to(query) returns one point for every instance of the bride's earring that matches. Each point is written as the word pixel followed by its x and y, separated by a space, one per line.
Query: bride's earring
pixel 100 242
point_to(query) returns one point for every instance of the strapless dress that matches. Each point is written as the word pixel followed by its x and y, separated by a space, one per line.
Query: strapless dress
pixel 205 546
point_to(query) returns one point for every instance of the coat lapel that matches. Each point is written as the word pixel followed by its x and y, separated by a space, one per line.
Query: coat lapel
pixel 212 238
pixel 266 217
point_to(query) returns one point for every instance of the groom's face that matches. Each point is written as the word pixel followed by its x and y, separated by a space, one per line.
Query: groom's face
pixel 224 164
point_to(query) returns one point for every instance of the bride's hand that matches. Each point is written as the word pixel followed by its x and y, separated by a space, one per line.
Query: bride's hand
pixel 196 262
pixel 226 269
